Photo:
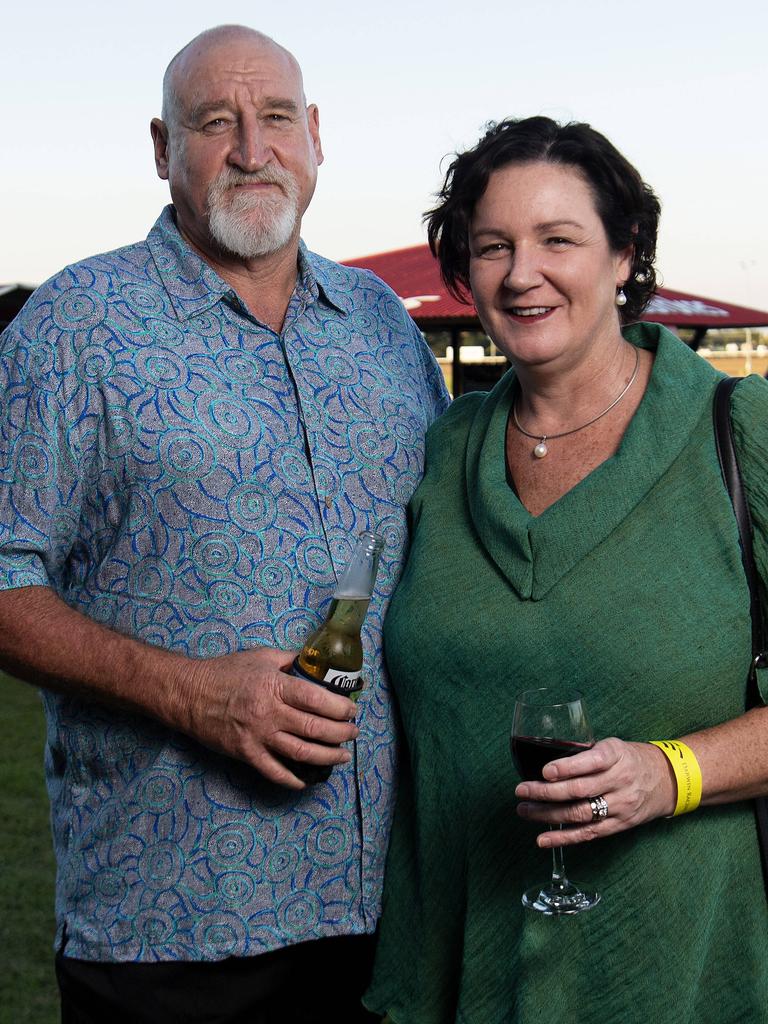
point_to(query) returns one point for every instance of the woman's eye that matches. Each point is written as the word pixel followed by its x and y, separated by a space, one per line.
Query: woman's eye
pixel 492 251
pixel 558 240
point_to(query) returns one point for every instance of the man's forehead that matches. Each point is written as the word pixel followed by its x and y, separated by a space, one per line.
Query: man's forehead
pixel 212 71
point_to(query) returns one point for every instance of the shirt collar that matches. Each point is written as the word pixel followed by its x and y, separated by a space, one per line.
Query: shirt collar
pixel 536 552
pixel 193 286
pixel 333 281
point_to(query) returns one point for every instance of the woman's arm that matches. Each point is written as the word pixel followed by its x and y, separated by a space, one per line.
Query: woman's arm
pixel 637 781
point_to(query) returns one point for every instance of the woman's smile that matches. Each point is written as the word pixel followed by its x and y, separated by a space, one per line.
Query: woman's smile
pixel 530 314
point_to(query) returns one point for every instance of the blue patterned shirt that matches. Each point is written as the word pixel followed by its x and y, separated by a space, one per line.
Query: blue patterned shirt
pixel 181 473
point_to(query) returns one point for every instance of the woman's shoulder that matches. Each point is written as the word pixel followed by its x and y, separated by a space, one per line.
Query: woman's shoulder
pixel 749 412
pixel 750 393
pixel 463 412
pixel 459 415
pixel 446 443
pixel 447 437
pixel 749 415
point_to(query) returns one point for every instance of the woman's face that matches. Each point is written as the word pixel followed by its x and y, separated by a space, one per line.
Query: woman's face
pixel 542 273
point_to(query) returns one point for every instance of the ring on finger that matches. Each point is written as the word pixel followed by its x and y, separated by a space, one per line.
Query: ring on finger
pixel 599 807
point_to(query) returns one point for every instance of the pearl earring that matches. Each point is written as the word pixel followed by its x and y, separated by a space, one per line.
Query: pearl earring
pixel 621 298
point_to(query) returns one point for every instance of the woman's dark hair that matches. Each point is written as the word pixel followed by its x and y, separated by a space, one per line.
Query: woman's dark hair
pixel 627 207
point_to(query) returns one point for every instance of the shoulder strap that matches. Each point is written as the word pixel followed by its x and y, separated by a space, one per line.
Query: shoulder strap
pixel 729 464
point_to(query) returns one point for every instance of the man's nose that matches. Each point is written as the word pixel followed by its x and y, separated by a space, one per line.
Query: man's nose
pixel 250 151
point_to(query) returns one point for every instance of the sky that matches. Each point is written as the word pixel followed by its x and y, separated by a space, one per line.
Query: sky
pixel 679 87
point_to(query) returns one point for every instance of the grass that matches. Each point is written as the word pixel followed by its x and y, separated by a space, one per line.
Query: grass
pixel 28 992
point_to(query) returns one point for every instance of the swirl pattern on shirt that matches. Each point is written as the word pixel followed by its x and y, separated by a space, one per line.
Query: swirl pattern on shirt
pixel 182 474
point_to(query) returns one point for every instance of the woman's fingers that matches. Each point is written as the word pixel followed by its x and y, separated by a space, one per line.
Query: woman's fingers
pixel 625 785
pixel 600 758
pixel 583 834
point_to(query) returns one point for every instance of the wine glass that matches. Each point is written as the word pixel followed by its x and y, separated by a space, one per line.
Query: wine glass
pixel 550 723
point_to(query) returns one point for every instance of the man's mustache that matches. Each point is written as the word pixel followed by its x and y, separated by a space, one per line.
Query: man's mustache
pixel 232 177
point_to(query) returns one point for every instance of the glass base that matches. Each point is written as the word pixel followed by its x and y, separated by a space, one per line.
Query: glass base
pixel 565 899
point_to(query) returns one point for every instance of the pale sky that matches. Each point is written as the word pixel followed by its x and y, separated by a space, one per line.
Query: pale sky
pixel 680 87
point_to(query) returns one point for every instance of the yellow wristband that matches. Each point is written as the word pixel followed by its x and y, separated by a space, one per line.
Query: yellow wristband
pixel 687 773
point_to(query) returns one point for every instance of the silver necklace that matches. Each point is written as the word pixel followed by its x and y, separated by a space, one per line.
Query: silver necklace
pixel 541 449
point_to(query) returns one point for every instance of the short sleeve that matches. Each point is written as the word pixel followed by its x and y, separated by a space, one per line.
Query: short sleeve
pixel 41 456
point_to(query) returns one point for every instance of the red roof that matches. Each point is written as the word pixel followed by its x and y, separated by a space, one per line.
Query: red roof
pixel 413 273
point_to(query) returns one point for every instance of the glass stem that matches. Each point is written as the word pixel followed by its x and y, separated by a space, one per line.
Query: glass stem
pixel 559 881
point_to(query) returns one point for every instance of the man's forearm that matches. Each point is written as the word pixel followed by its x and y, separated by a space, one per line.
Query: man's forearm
pixel 242 704
pixel 45 642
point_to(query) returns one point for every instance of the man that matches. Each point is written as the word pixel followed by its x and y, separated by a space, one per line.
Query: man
pixel 194 428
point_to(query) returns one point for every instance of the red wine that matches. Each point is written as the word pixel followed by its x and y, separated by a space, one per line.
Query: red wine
pixel 531 753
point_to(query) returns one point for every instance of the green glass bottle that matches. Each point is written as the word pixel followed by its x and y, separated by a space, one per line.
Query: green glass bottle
pixel 332 656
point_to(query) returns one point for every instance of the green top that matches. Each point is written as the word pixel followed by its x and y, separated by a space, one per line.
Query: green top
pixel 630 588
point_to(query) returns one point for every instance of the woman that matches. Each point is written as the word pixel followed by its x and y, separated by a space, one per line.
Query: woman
pixel 573 527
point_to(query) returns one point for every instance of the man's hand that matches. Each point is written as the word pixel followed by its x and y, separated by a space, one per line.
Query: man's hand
pixel 245 706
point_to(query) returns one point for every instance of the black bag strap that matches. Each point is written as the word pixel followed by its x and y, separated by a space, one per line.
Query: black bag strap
pixel 729 464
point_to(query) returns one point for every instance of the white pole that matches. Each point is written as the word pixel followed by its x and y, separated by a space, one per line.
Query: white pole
pixel 748 351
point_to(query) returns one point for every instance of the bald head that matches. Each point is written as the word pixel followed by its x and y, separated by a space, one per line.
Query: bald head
pixel 237 144
pixel 222 37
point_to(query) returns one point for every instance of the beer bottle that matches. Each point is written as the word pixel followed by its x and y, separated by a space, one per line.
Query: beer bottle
pixel 332 656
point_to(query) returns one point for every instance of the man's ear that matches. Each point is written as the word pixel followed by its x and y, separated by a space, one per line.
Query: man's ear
pixel 159 132
pixel 313 120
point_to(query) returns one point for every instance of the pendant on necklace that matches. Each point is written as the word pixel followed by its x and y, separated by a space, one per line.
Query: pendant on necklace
pixel 541 448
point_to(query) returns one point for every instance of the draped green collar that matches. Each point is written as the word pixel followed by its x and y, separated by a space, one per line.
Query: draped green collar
pixel 535 552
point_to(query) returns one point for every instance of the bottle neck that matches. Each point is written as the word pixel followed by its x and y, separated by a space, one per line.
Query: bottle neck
pixel 358 579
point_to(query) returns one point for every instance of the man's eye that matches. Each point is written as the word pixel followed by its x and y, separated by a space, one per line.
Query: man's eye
pixel 558 241
pixel 216 124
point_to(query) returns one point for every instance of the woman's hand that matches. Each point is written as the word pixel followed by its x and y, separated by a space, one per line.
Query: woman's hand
pixel 634 779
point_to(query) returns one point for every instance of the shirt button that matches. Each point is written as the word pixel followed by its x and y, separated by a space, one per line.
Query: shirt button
pixel 328 501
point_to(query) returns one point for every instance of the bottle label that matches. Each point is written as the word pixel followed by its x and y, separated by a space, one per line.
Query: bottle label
pixel 346 682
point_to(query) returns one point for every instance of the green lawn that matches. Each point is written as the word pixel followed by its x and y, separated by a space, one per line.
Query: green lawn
pixel 28 993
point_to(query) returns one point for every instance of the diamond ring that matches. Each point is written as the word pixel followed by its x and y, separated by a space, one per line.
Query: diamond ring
pixel 599 808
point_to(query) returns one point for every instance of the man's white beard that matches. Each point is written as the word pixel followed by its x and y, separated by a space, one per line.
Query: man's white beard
pixel 250 224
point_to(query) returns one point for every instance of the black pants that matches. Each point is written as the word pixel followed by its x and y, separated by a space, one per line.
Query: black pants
pixel 318 982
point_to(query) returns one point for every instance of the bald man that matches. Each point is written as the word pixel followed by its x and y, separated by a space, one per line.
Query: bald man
pixel 195 428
